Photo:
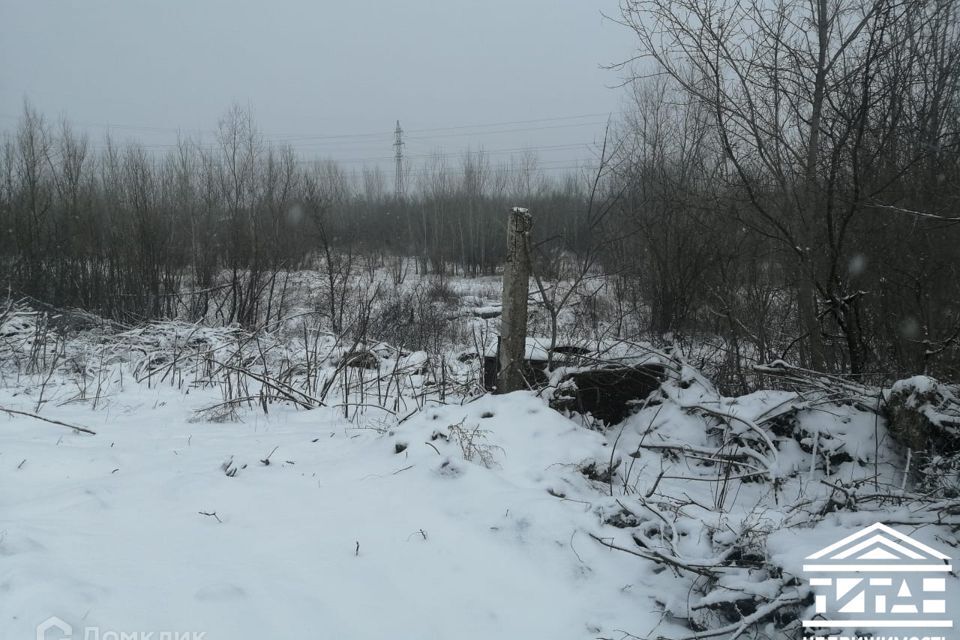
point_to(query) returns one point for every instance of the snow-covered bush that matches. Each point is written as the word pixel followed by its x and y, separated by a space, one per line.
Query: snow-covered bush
pixel 923 415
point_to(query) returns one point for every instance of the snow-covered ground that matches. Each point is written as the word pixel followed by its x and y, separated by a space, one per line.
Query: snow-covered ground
pixel 405 504
pixel 339 536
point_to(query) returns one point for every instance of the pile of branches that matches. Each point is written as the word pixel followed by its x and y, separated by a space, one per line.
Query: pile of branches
pixel 729 472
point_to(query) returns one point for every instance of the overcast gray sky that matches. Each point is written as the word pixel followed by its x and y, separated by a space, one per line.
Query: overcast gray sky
pixel 313 69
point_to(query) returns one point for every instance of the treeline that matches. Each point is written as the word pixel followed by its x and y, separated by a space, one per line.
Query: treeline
pixel 124 232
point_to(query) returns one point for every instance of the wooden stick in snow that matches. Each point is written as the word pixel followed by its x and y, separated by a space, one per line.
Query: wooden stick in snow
pixel 14 412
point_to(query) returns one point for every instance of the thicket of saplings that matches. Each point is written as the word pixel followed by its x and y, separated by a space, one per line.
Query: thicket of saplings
pixel 661 239
pixel 818 142
pixel 119 230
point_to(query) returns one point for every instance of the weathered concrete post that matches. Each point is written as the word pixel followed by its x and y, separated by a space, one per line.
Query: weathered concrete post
pixel 513 322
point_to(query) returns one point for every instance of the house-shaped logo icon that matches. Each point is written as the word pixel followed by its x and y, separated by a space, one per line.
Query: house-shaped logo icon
pixel 59 629
pixel 877 578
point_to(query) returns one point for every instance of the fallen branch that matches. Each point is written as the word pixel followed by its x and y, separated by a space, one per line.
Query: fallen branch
pixel 14 412
pixel 739 627
pixel 656 556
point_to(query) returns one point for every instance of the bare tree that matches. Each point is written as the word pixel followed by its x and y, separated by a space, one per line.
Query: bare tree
pixel 801 99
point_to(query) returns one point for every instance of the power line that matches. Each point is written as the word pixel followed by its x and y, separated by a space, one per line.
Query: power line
pixel 443 155
pixel 303 143
pixel 437 153
pixel 307 137
pixel 343 144
pixel 451 128
pixel 539 166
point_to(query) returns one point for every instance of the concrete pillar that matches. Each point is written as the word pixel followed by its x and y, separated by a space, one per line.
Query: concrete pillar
pixel 513 322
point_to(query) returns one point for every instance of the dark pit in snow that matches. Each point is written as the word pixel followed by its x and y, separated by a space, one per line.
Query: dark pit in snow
pixel 608 393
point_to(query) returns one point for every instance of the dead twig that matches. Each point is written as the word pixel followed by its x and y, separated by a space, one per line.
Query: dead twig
pixel 14 412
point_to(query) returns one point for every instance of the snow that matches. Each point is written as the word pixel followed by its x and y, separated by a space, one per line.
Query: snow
pixel 487 311
pixel 431 513
pixel 939 403
pixel 922 385
pixel 534 349
pixel 105 531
